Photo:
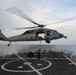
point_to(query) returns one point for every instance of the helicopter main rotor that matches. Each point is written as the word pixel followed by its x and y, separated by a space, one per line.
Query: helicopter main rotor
pixel 17 11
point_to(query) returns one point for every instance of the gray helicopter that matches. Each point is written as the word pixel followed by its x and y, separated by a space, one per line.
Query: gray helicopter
pixel 36 33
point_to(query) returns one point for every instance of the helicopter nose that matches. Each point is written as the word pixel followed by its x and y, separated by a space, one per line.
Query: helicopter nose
pixel 61 35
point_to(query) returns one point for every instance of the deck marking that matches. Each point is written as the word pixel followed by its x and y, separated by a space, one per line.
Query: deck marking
pixel 70 63
pixel 39 64
pixel 3 67
pixel 55 58
pixel 30 65
pixel 69 60
pixel 62 58
pixel 20 66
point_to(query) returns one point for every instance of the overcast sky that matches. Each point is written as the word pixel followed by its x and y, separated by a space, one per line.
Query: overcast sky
pixel 43 12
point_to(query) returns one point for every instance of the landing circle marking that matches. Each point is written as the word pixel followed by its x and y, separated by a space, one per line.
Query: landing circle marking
pixel 3 67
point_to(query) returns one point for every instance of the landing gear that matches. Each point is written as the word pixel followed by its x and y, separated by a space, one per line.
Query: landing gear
pixel 65 37
pixel 9 44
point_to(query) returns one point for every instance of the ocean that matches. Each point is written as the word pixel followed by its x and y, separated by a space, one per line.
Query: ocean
pixel 17 48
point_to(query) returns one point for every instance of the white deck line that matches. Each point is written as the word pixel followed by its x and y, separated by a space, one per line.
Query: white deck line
pixel 69 60
pixel 30 65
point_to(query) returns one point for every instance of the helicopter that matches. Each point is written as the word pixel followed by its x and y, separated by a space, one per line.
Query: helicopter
pixel 33 33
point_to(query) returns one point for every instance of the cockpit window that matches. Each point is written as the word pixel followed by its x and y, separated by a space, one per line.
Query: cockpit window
pixel 55 31
pixel 48 32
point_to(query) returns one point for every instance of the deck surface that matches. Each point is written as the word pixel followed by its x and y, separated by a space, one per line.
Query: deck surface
pixel 48 65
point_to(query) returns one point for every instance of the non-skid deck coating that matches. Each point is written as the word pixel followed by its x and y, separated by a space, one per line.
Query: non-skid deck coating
pixel 54 65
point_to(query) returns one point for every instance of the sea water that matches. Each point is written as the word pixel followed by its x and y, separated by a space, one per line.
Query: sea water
pixel 16 48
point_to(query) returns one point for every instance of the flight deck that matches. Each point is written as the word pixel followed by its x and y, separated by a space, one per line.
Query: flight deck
pixel 48 64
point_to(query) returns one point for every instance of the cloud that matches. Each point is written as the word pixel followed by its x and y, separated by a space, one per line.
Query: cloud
pixel 6 4
pixel 65 22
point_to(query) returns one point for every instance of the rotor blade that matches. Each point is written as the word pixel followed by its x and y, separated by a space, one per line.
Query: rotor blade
pixel 25 28
pixel 18 12
pixel 64 21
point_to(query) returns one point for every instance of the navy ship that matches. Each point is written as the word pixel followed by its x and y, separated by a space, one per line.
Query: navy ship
pixel 31 63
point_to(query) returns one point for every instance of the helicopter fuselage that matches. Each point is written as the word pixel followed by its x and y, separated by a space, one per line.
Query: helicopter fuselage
pixel 34 35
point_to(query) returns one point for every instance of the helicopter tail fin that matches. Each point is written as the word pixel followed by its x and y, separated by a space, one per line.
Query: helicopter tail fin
pixel 2 36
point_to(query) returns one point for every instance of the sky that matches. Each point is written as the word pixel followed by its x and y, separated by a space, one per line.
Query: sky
pixel 44 12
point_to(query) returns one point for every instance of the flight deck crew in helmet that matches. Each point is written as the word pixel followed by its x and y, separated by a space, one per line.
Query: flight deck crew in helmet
pixel 38 53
